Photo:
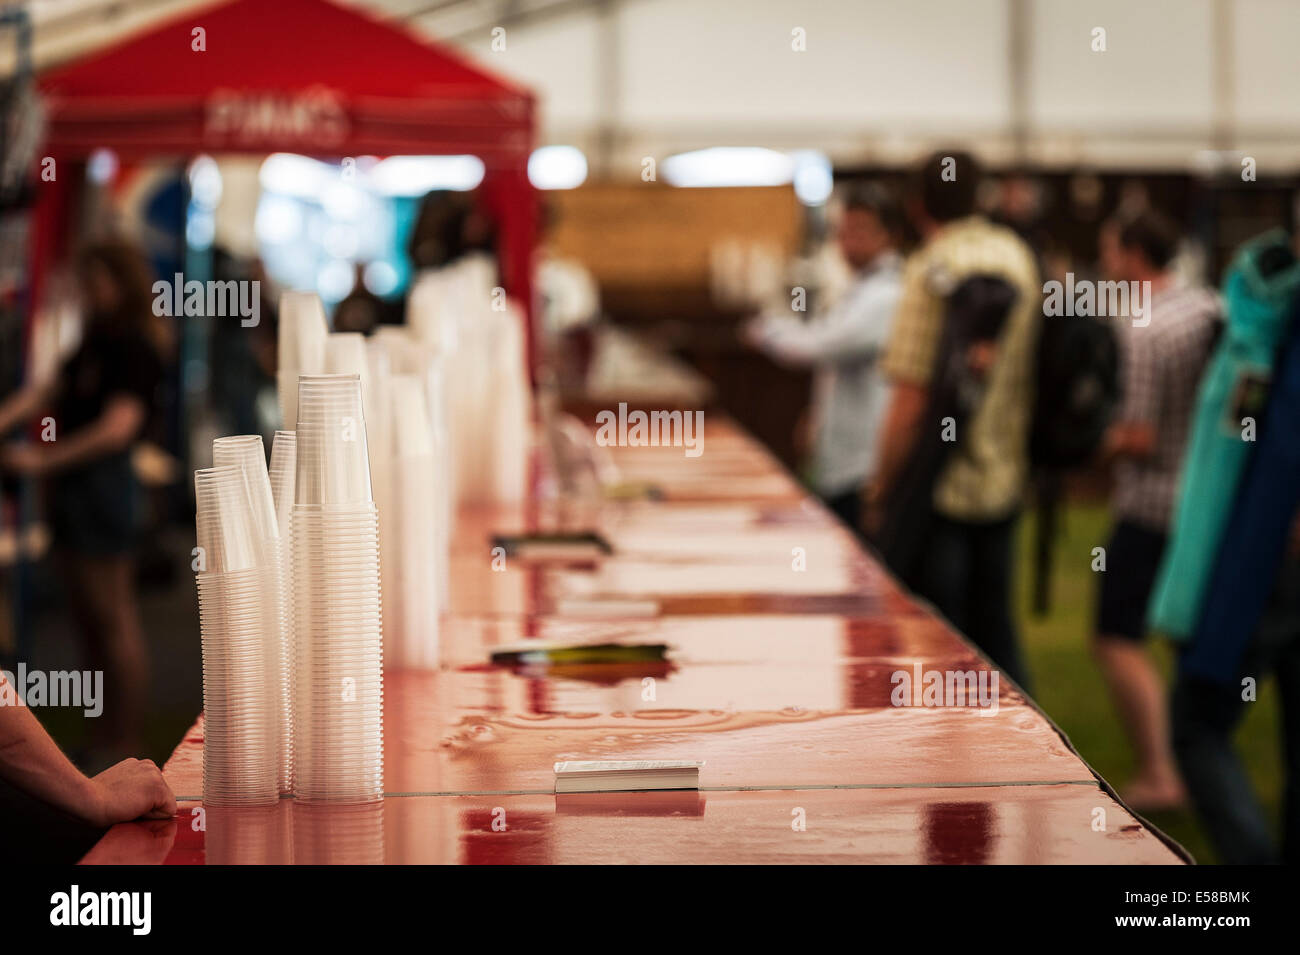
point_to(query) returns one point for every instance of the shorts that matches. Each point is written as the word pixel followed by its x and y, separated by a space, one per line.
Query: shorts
pixel 92 509
pixel 1132 561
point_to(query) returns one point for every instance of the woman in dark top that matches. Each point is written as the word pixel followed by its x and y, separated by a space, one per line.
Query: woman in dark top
pixel 96 408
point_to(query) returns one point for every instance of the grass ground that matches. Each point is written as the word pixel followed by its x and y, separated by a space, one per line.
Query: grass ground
pixel 1068 685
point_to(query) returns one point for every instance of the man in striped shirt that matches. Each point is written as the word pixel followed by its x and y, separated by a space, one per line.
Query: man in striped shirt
pixel 1161 363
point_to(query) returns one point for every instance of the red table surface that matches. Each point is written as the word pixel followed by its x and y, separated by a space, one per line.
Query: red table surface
pixel 779 677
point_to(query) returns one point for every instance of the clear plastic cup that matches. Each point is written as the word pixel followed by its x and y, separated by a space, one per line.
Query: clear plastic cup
pixel 282 474
pixel 244 738
pixel 412 432
pixel 302 333
pixel 224 525
pixel 247 452
pixel 338 637
pixel 333 465
pixel 345 354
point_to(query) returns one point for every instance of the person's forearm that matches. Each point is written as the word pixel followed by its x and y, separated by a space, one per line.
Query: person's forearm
pixel 782 339
pixel 834 338
pixel 20 406
pixel 1126 440
pixel 32 762
pixel 112 431
pixel 85 444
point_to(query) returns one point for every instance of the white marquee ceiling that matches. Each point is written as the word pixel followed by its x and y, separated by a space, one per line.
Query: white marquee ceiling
pixel 879 79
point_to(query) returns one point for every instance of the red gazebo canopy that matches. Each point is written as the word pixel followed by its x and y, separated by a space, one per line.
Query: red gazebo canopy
pixel 305 76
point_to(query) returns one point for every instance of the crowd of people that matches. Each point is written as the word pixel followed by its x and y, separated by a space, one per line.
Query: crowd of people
pixel 932 386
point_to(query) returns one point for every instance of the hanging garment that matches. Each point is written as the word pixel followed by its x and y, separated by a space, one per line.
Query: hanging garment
pixel 1256 537
pixel 1257 292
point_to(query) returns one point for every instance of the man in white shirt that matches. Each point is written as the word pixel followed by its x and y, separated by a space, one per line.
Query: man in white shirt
pixel 842 344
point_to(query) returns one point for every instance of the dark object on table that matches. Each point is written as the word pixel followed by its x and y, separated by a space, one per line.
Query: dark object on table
pixel 562 546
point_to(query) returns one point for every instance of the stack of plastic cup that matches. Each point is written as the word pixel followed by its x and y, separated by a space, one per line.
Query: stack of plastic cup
pixel 411 637
pixel 410 356
pixel 338 638
pixel 510 410
pixel 245 451
pixel 431 311
pixel 427 365
pixel 379 368
pixel 240 751
pixel 488 409
pixel 262 836
pixel 339 835
pixel 375 395
pixel 283 475
pixel 301 347
pixel 284 464
pixel 469 386
pixel 346 354
pixel 443 320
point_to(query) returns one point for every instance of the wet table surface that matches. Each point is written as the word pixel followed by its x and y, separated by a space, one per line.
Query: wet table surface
pixel 786 644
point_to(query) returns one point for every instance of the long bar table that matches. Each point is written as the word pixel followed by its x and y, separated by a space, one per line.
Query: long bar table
pixel 785 640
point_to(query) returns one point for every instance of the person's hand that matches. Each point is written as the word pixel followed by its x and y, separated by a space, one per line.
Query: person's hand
pixel 980 357
pixel 133 789
pixel 144 843
pixel 25 459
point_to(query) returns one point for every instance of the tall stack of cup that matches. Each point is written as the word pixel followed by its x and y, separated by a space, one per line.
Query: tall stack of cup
pixel 411 356
pixel 511 408
pixel 301 347
pixel 283 471
pixel 374 384
pixel 427 365
pixel 431 311
pixel 245 451
pixel 411 639
pixel 347 353
pixel 338 638
pixel 458 311
pixel 470 388
pixel 241 741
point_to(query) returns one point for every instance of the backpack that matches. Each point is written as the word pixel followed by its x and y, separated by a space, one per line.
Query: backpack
pixel 975 311
pixel 1077 390
pixel 1077 394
